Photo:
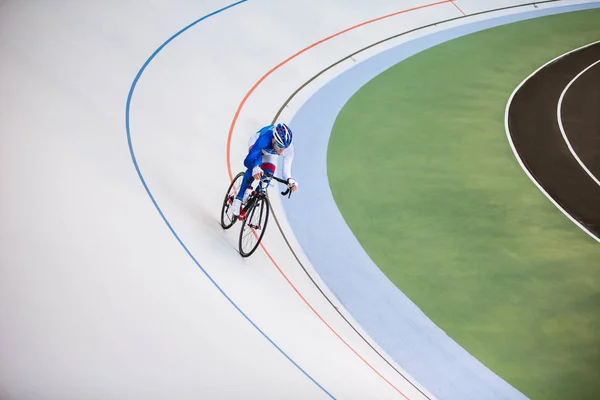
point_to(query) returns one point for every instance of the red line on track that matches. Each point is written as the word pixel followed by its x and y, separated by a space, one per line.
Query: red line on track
pixel 454 4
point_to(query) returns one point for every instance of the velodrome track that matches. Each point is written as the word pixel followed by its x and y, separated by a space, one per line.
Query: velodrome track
pixel 121 126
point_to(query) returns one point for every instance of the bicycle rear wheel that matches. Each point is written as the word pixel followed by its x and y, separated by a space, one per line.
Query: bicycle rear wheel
pixel 227 218
pixel 254 226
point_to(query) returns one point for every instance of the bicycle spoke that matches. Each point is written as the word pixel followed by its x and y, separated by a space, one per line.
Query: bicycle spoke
pixel 227 219
pixel 250 224
pixel 253 228
pixel 248 237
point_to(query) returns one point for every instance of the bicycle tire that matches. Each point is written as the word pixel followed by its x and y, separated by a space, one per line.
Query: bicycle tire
pixel 227 203
pixel 263 206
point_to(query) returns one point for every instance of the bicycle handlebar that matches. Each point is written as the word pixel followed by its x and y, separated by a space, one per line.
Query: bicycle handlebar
pixel 288 191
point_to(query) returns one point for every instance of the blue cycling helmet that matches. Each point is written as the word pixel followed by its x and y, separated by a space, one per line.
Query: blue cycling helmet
pixel 283 136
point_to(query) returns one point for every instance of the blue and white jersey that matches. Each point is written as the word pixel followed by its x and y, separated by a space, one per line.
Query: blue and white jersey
pixel 261 144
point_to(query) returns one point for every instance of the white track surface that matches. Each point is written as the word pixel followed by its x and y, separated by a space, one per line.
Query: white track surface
pixel 98 299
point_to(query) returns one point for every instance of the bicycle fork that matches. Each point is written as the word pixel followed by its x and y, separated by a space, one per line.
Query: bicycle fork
pixel 251 218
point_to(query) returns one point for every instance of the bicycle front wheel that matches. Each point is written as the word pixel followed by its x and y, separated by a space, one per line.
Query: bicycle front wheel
pixel 254 226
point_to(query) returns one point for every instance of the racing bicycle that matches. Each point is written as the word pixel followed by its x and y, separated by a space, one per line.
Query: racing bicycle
pixel 254 212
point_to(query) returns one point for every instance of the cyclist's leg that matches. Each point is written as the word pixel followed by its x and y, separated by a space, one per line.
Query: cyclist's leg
pixel 267 166
pixel 245 184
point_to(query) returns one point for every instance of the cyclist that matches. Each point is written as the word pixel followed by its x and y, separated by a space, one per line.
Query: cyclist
pixel 264 147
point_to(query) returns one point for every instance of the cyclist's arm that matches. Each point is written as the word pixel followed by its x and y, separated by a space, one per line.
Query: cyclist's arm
pixel 254 157
pixel 288 157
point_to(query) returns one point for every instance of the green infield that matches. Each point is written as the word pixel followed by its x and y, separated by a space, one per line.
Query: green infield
pixel 450 217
